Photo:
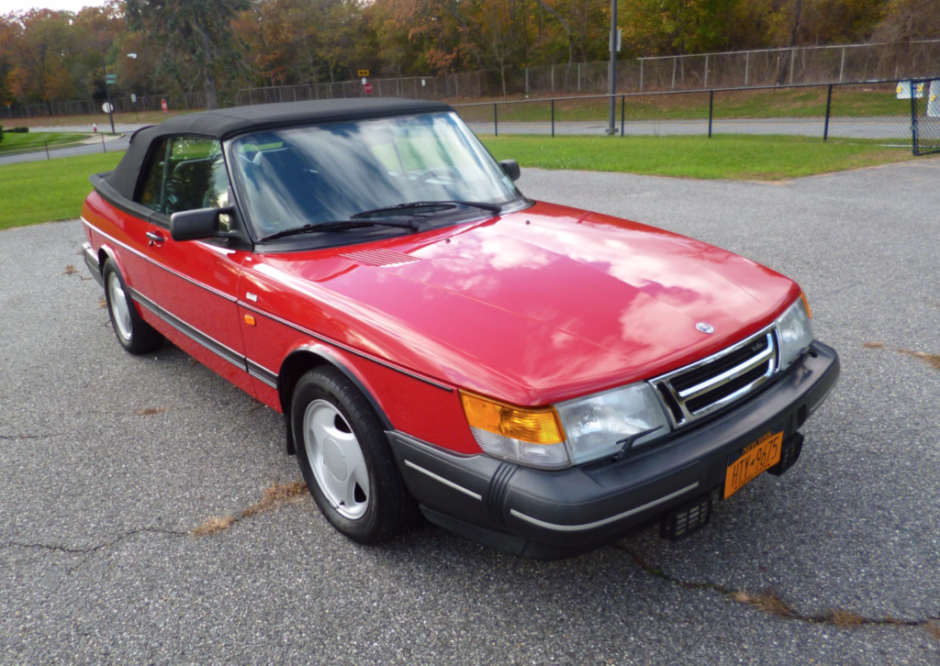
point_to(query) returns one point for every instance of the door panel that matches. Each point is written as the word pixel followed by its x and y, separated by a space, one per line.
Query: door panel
pixel 196 282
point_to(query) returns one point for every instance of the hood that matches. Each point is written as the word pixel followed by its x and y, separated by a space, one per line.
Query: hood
pixel 537 306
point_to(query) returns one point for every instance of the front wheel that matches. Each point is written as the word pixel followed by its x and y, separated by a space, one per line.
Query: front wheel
pixel 345 459
pixel 134 334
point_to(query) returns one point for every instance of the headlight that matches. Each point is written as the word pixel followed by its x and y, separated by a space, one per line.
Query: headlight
pixel 532 437
pixel 794 331
pixel 601 424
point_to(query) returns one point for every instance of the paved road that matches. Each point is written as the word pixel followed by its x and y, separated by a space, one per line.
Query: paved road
pixel 98 493
pixel 849 128
pixel 90 147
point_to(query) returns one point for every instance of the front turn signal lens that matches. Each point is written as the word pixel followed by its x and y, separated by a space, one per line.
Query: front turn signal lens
pixel 531 437
pixel 535 426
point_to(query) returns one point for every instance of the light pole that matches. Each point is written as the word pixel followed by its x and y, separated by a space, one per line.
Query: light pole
pixel 612 70
pixel 107 92
pixel 133 56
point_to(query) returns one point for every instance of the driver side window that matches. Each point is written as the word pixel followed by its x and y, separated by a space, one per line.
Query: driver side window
pixel 186 173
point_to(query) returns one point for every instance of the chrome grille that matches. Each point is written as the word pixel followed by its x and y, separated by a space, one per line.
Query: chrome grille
pixel 706 386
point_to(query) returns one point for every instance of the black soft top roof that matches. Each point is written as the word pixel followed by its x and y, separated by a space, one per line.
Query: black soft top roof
pixel 225 123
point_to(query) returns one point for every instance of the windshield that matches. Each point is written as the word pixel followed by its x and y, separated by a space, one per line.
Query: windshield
pixel 331 172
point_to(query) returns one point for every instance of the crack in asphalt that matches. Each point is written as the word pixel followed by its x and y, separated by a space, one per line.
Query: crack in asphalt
pixel 770 603
pixel 91 549
pixel 15 437
pixel 87 552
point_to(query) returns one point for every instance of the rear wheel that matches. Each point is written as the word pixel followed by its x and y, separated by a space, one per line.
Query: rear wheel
pixel 345 459
pixel 134 334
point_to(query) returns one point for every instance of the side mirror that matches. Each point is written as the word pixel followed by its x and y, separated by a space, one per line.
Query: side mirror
pixel 511 169
pixel 201 223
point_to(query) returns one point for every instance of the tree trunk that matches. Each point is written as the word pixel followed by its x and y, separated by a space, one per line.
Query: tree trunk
pixel 567 28
pixel 212 92
pixel 784 64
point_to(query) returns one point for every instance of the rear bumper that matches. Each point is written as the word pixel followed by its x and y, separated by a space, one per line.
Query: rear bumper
pixel 548 515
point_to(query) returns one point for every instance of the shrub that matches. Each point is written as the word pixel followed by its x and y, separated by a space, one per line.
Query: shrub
pixel 1 133
pixel 19 130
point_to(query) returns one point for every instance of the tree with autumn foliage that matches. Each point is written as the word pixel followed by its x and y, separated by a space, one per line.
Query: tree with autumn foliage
pixel 197 35
pixel 219 46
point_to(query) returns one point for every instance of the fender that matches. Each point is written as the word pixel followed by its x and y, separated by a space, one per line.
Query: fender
pixel 288 376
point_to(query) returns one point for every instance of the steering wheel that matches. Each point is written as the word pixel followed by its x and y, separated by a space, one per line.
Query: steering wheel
pixel 439 172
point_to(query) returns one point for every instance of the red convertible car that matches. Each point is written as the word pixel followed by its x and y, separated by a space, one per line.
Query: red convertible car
pixel 539 378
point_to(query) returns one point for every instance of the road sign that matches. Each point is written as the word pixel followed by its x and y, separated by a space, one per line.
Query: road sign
pixel 163 105
pixel 904 90
pixel 107 107
pixel 363 72
pixel 110 79
pixel 133 98
pixel 368 88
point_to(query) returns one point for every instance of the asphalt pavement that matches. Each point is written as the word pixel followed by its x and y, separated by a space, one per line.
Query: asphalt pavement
pixel 108 462
pixel 93 145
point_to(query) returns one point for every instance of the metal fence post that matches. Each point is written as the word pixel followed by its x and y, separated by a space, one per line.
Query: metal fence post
pixel 747 65
pixel 47 149
pixel 495 119
pixel 792 64
pixel 641 75
pixel 828 109
pixel 553 117
pixel 675 60
pixel 526 81
pixel 579 77
pixel 711 106
pixel 913 118
pixel 842 65
pixel 104 148
pixel 705 82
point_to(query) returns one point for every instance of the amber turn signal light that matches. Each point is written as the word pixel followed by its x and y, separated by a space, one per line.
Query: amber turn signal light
pixel 806 303
pixel 250 320
pixel 536 426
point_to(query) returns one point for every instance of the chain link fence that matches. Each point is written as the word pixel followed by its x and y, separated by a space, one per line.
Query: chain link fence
pixel 879 112
pixel 925 116
pixel 88 107
pixel 466 84
pixel 738 69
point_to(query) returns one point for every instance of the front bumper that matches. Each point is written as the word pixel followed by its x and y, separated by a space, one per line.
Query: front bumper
pixel 552 514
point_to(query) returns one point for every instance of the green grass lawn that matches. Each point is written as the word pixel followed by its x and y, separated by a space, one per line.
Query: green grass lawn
pixel 34 140
pixel 734 157
pixel 34 192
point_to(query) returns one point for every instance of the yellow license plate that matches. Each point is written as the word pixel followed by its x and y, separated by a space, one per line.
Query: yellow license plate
pixel 757 458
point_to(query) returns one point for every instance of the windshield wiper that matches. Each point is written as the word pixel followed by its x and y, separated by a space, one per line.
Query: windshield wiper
pixel 440 205
pixel 342 225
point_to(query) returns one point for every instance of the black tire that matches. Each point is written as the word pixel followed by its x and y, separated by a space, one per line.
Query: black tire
pixel 139 336
pixel 387 509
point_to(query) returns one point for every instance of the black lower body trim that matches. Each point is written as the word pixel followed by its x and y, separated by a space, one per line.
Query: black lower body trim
pixel 209 343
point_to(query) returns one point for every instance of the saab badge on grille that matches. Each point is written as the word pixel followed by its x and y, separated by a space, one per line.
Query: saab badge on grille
pixel 705 328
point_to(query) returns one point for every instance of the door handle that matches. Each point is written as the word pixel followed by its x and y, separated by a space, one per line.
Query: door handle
pixel 155 238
